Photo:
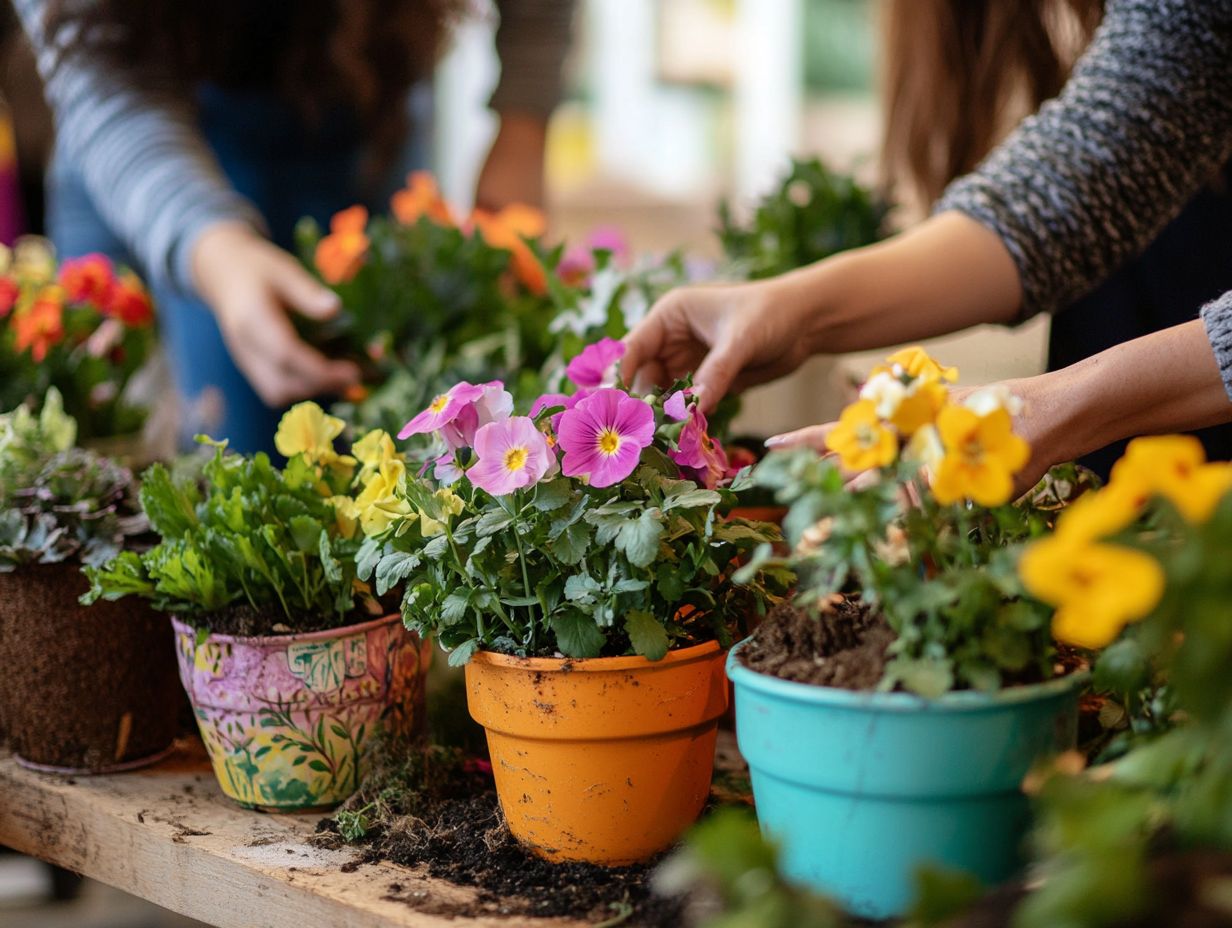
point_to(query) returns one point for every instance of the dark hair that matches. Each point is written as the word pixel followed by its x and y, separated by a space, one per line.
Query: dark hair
pixel 958 74
pixel 316 54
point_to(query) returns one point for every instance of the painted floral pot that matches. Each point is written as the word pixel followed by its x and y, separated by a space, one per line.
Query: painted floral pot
pixel 860 788
pixel 83 689
pixel 286 719
pixel 606 760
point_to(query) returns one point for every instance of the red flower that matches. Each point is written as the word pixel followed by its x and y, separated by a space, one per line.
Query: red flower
pixel 127 301
pixel 87 279
pixel 9 292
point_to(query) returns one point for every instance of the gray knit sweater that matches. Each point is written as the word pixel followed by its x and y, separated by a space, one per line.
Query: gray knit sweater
pixel 1095 175
pixel 155 181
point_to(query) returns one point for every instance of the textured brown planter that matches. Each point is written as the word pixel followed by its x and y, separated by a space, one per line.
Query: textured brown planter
pixel 83 689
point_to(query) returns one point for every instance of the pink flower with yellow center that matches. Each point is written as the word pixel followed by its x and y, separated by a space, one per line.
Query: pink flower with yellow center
pixel 443 410
pixel 552 400
pixel 513 454
pixel 596 365
pixel 493 404
pixel 603 436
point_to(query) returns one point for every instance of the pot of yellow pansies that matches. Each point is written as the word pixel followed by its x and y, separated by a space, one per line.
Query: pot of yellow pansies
pixel 889 718
pixel 291 663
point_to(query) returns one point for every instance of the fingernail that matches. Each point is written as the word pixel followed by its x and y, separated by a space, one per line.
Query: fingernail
pixel 776 441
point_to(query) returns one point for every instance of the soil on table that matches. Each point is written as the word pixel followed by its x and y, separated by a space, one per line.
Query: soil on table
pixel 438 811
pixel 83 687
pixel 843 647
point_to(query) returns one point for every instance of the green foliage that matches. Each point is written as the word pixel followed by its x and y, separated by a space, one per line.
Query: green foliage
pixel 814 213
pixel 435 304
pixel 734 870
pixel 59 502
pixel 637 568
pixel 1171 788
pixel 249 533
pixel 944 576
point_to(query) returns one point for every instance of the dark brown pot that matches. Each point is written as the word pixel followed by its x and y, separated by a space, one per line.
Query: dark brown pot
pixel 83 689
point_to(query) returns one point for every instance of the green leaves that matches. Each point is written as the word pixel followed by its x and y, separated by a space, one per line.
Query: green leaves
pixel 577 635
pixel 639 538
pixel 647 635
pixel 170 507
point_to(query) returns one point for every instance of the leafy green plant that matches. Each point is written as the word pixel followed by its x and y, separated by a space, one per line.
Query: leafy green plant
pixel 61 503
pixel 732 873
pixel 926 535
pixel 812 214
pixel 250 534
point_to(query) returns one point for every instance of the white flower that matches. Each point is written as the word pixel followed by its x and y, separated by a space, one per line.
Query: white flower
pixel 987 400
pixel 592 309
pixel 925 447
pixel 887 393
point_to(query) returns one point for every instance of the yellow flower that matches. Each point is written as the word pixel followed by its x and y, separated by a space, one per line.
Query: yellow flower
pixel 373 450
pixel 346 515
pixel 925 447
pixel 451 505
pixel 306 429
pixel 982 454
pixel 1174 467
pixel 861 441
pixel 914 362
pixel 1097 588
pixel 34 259
pixel 1100 513
pixel 381 503
pixel 924 401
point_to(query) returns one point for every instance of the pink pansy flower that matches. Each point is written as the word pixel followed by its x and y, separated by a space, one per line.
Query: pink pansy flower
pixel 443 410
pixel 603 436
pixel 549 400
pixel 677 405
pixel 611 238
pixel 446 469
pixel 513 454
pixel 492 405
pixel 699 456
pixel 596 365
pixel 576 266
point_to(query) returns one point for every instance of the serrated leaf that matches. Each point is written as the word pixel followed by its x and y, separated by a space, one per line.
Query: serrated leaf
pixel 581 588
pixel 570 546
pixel 552 495
pixel 639 538
pixel 493 521
pixel 462 654
pixel 692 499
pixel 393 569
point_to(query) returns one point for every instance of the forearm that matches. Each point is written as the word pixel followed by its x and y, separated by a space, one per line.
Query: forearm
pixel 946 274
pixel 1165 382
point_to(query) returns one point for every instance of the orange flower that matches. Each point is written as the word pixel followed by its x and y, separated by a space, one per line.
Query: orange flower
pixel 340 254
pixel 9 294
pixel 509 229
pixel 41 325
pixel 421 197
pixel 87 279
pixel 128 301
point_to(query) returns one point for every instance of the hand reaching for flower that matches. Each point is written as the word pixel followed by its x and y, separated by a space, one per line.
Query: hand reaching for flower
pixel 251 285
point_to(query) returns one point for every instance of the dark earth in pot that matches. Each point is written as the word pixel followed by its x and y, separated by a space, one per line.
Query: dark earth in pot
pixel 844 647
pixel 87 688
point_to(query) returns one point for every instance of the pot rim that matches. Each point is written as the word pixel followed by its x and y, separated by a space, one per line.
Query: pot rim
pixel 595 664
pixel 292 637
pixel 954 701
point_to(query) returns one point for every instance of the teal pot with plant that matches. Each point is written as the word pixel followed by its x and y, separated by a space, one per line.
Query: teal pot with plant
pixel 81 690
pixel 862 789
pixel 292 666
pixel 892 732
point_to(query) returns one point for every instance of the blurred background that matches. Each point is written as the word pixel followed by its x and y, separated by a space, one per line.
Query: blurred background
pixel 672 107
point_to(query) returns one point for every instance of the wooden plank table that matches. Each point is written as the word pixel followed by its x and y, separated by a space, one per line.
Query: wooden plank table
pixel 167 834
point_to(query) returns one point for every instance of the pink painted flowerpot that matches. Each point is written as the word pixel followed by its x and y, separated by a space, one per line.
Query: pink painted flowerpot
pixel 287 719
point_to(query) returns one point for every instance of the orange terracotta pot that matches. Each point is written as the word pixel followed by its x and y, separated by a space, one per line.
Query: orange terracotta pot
pixel 774 514
pixel 606 760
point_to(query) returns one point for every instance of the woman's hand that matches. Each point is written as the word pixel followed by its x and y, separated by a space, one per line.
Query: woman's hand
pixel 730 336
pixel 251 285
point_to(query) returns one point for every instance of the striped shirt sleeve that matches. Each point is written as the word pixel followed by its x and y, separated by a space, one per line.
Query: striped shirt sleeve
pixel 532 42
pixel 141 156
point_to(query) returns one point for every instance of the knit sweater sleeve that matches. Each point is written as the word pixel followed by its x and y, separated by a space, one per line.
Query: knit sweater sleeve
pixel 532 41
pixel 1217 317
pixel 1092 178
pixel 140 154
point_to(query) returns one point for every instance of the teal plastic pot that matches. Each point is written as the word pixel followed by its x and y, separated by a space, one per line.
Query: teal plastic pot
pixel 860 789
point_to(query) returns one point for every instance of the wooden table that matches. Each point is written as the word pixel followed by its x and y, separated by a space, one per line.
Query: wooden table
pixel 168 835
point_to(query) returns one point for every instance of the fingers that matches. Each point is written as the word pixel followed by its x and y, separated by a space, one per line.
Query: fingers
pixel 299 290
pixel 718 371
pixel 279 365
pixel 643 346
pixel 813 436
